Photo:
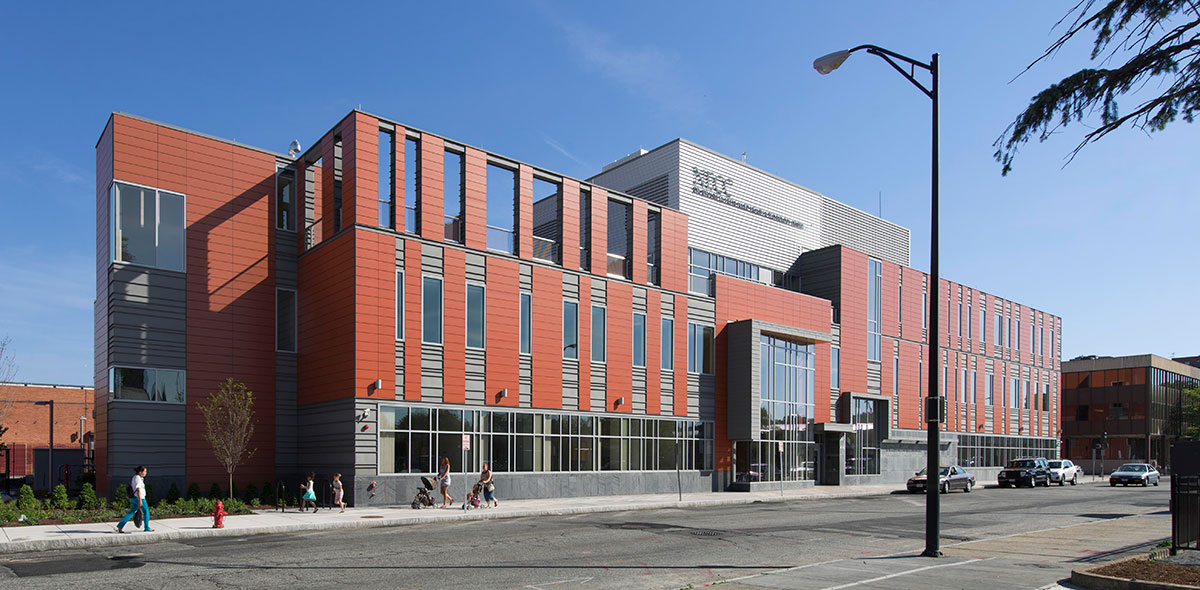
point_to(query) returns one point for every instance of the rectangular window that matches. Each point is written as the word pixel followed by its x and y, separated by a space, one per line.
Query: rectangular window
pixel 874 293
pixel 639 339
pixel 431 310
pixel 835 368
pixel 620 238
pixel 668 343
pixel 412 183
pixel 585 227
pixel 1046 397
pixel 285 320
pixel 701 353
pixel 924 310
pixel 149 226
pixel 547 218
pixel 999 330
pixel 1027 405
pixel 945 379
pixel 653 230
pixel 982 324
pixel 895 375
pixel 570 330
pixel 970 324
pixel 147 385
pixel 1017 334
pixel 989 394
pixel 961 387
pixel 974 391
pixel 1008 337
pixel 1014 393
pixel 599 334
pixel 454 194
pixel 501 200
pixel 476 316
pixel 399 305
pixel 526 322
pixel 387 179
pixel 285 200
pixel 960 318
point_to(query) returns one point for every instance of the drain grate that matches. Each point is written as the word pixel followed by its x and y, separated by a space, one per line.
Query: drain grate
pixel 371 516
pixel 707 533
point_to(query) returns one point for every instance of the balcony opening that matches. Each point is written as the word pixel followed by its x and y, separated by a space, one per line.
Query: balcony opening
pixel 653 251
pixel 585 228
pixel 337 183
pixel 387 179
pixel 455 194
pixel 619 238
pixel 547 219
pixel 412 183
pixel 501 200
pixel 312 196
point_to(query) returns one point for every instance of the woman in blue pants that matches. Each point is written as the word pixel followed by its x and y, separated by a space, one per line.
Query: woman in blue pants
pixel 137 501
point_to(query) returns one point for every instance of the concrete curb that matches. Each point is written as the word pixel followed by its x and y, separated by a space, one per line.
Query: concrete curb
pixel 1088 579
pixel 364 521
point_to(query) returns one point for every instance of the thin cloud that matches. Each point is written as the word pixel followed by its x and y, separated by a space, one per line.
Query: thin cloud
pixel 643 70
pixel 562 150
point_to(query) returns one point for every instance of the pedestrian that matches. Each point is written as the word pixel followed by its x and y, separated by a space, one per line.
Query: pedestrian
pixel 310 494
pixel 443 478
pixel 489 488
pixel 137 500
pixel 337 491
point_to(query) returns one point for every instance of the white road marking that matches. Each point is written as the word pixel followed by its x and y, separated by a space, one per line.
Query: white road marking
pixel 544 584
pixel 898 574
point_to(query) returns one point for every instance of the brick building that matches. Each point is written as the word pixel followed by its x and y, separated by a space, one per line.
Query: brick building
pixel 29 424
pixel 394 297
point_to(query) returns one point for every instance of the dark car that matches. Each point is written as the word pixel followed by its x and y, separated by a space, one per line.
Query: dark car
pixel 950 477
pixel 1030 471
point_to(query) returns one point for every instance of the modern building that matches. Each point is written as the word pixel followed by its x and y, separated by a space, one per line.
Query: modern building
pixel 1125 408
pixel 25 412
pixel 394 297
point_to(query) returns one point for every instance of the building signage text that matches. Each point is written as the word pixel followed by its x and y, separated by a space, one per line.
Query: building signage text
pixel 707 183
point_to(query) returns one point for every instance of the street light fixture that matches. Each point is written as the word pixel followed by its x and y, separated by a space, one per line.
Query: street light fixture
pixel 933 409
pixel 50 454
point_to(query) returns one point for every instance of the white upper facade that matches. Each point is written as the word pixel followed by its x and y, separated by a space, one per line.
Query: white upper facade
pixel 739 211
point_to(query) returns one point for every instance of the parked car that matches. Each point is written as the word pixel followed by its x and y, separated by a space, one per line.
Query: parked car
pixel 1028 471
pixel 1063 471
pixel 1135 473
pixel 950 477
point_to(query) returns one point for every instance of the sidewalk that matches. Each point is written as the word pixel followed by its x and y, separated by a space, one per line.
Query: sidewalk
pixel 74 536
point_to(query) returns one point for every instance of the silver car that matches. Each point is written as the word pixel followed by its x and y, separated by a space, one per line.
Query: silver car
pixel 1063 471
pixel 1134 473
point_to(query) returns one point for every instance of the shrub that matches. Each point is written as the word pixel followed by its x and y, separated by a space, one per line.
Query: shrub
pixel 32 516
pixel 8 512
pixel 121 496
pixel 25 499
pixel 268 493
pixel 59 499
pixel 87 497
pixel 235 506
pixel 172 494
pixel 250 493
pixel 254 502
pixel 214 493
pixel 204 505
pixel 150 497
pixel 234 493
pixel 193 491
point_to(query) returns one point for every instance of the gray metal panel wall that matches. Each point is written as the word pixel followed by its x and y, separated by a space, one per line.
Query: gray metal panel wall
pixel 663 160
pixel 147 433
pixel 850 227
pixel 147 317
pixel 821 274
pixel 400 343
pixel 286 383
pixel 329 434
pixel 742 381
pixel 432 354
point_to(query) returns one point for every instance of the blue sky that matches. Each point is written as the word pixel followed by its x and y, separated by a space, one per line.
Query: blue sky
pixel 1103 242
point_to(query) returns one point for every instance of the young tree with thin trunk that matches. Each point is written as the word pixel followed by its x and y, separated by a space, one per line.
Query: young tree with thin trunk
pixel 1158 42
pixel 229 419
pixel 8 371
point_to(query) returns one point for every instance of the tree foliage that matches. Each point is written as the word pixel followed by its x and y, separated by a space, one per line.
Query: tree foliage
pixel 1159 41
pixel 229 421
pixel 8 371
pixel 1190 419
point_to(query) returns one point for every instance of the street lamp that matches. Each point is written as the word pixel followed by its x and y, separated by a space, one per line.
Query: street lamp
pixel 49 455
pixel 933 409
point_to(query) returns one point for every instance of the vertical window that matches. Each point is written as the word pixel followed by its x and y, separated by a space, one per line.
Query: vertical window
pixel 974 391
pixel 526 322
pixel 999 330
pixel 924 310
pixel 285 320
pixel 653 229
pixel 668 343
pixel 970 325
pixel 620 238
pixel 945 378
pixel 412 183
pixel 835 368
pixel 701 354
pixel 895 375
pixel 599 334
pixel 585 227
pixel 399 305
pixel 1046 397
pixel 570 330
pixel 337 183
pixel 960 320
pixel 454 195
pixel 874 292
pixel 547 219
pixel 639 339
pixel 982 324
pixel 1027 405
pixel 501 202
pixel 1017 334
pixel 476 316
pixel 149 226
pixel 285 200
pixel 431 310
pixel 387 179
pixel 1008 337
pixel 989 393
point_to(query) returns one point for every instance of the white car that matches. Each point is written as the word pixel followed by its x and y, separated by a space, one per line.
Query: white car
pixel 1134 473
pixel 1063 471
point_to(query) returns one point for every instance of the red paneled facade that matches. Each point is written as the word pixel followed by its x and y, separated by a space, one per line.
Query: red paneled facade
pixel 380 396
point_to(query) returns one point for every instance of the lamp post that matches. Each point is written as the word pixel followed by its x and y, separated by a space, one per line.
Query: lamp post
pixel 933 409
pixel 49 455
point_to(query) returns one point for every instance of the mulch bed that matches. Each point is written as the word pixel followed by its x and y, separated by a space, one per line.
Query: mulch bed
pixel 1152 571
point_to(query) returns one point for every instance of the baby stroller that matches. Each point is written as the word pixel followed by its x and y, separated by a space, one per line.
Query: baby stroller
pixel 473 498
pixel 423 498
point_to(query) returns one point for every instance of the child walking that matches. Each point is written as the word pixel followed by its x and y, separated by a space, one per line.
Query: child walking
pixel 310 494
pixel 337 491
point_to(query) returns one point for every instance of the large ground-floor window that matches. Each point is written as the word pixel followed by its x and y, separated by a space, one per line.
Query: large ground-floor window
pixel 993 450
pixel 412 439
pixel 862 445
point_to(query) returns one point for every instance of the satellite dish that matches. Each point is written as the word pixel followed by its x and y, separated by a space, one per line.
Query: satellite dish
pixel 294 148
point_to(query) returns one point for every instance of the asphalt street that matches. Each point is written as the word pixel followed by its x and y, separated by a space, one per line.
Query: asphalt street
pixel 667 549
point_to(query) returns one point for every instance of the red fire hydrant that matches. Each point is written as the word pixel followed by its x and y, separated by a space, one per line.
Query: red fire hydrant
pixel 218 515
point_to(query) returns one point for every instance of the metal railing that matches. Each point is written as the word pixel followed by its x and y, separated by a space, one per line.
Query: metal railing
pixel 499 239
pixel 1185 512
pixel 618 266
pixel 545 249
pixel 410 219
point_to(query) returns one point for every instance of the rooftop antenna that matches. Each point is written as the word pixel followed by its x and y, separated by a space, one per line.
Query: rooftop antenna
pixel 743 157
pixel 294 148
